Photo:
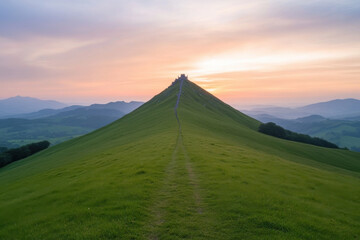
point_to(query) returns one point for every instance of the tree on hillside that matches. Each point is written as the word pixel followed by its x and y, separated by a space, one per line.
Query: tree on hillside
pixel 274 130
pixel 22 152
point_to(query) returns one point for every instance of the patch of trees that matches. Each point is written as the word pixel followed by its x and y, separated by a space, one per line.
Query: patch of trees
pixel 15 154
pixel 275 130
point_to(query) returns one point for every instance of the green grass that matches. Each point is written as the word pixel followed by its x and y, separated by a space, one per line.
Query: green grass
pixel 140 178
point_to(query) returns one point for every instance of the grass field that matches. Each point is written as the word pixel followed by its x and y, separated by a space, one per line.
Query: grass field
pixel 217 178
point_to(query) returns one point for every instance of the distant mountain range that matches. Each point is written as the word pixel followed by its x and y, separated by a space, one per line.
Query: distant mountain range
pixel 57 125
pixel 337 109
pixel 119 106
pixel 22 105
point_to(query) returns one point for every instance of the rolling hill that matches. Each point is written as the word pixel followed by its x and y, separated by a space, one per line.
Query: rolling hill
pixel 121 106
pixel 62 124
pixel 22 105
pixel 338 108
pixel 344 133
pixel 47 112
pixel 184 165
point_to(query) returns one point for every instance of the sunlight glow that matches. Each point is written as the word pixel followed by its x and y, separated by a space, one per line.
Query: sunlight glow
pixel 237 62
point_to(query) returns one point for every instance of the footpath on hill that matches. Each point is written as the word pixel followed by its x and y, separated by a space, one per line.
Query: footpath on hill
pixel 178 211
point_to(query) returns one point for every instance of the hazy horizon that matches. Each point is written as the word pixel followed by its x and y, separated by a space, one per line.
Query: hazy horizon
pixel 237 106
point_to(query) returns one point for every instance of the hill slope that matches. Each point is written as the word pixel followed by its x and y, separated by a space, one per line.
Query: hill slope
pixel 210 175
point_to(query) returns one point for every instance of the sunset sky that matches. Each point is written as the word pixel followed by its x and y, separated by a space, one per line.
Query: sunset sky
pixel 245 52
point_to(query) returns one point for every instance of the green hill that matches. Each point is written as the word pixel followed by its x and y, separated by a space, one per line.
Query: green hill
pixel 215 177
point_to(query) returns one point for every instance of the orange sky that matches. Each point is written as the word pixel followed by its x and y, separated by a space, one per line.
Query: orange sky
pixel 258 52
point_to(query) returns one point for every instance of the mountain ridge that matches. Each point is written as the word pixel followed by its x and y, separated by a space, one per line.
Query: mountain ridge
pixel 22 105
pixel 337 109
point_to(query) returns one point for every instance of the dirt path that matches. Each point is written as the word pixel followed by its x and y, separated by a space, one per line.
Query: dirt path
pixel 177 104
pixel 178 209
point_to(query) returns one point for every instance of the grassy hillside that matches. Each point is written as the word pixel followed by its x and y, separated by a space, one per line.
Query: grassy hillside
pixel 216 177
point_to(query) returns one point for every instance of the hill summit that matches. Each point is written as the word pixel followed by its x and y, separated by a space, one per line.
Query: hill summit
pixel 184 165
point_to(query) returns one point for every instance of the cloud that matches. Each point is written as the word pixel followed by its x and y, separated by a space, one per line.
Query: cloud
pixel 78 19
pixel 95 44
pixel 13 69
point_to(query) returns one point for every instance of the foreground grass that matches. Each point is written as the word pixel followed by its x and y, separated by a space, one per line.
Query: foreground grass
pixel 220 179
pixel 259 196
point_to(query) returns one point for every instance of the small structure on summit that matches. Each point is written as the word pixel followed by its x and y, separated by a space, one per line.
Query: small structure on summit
pixel 181 77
